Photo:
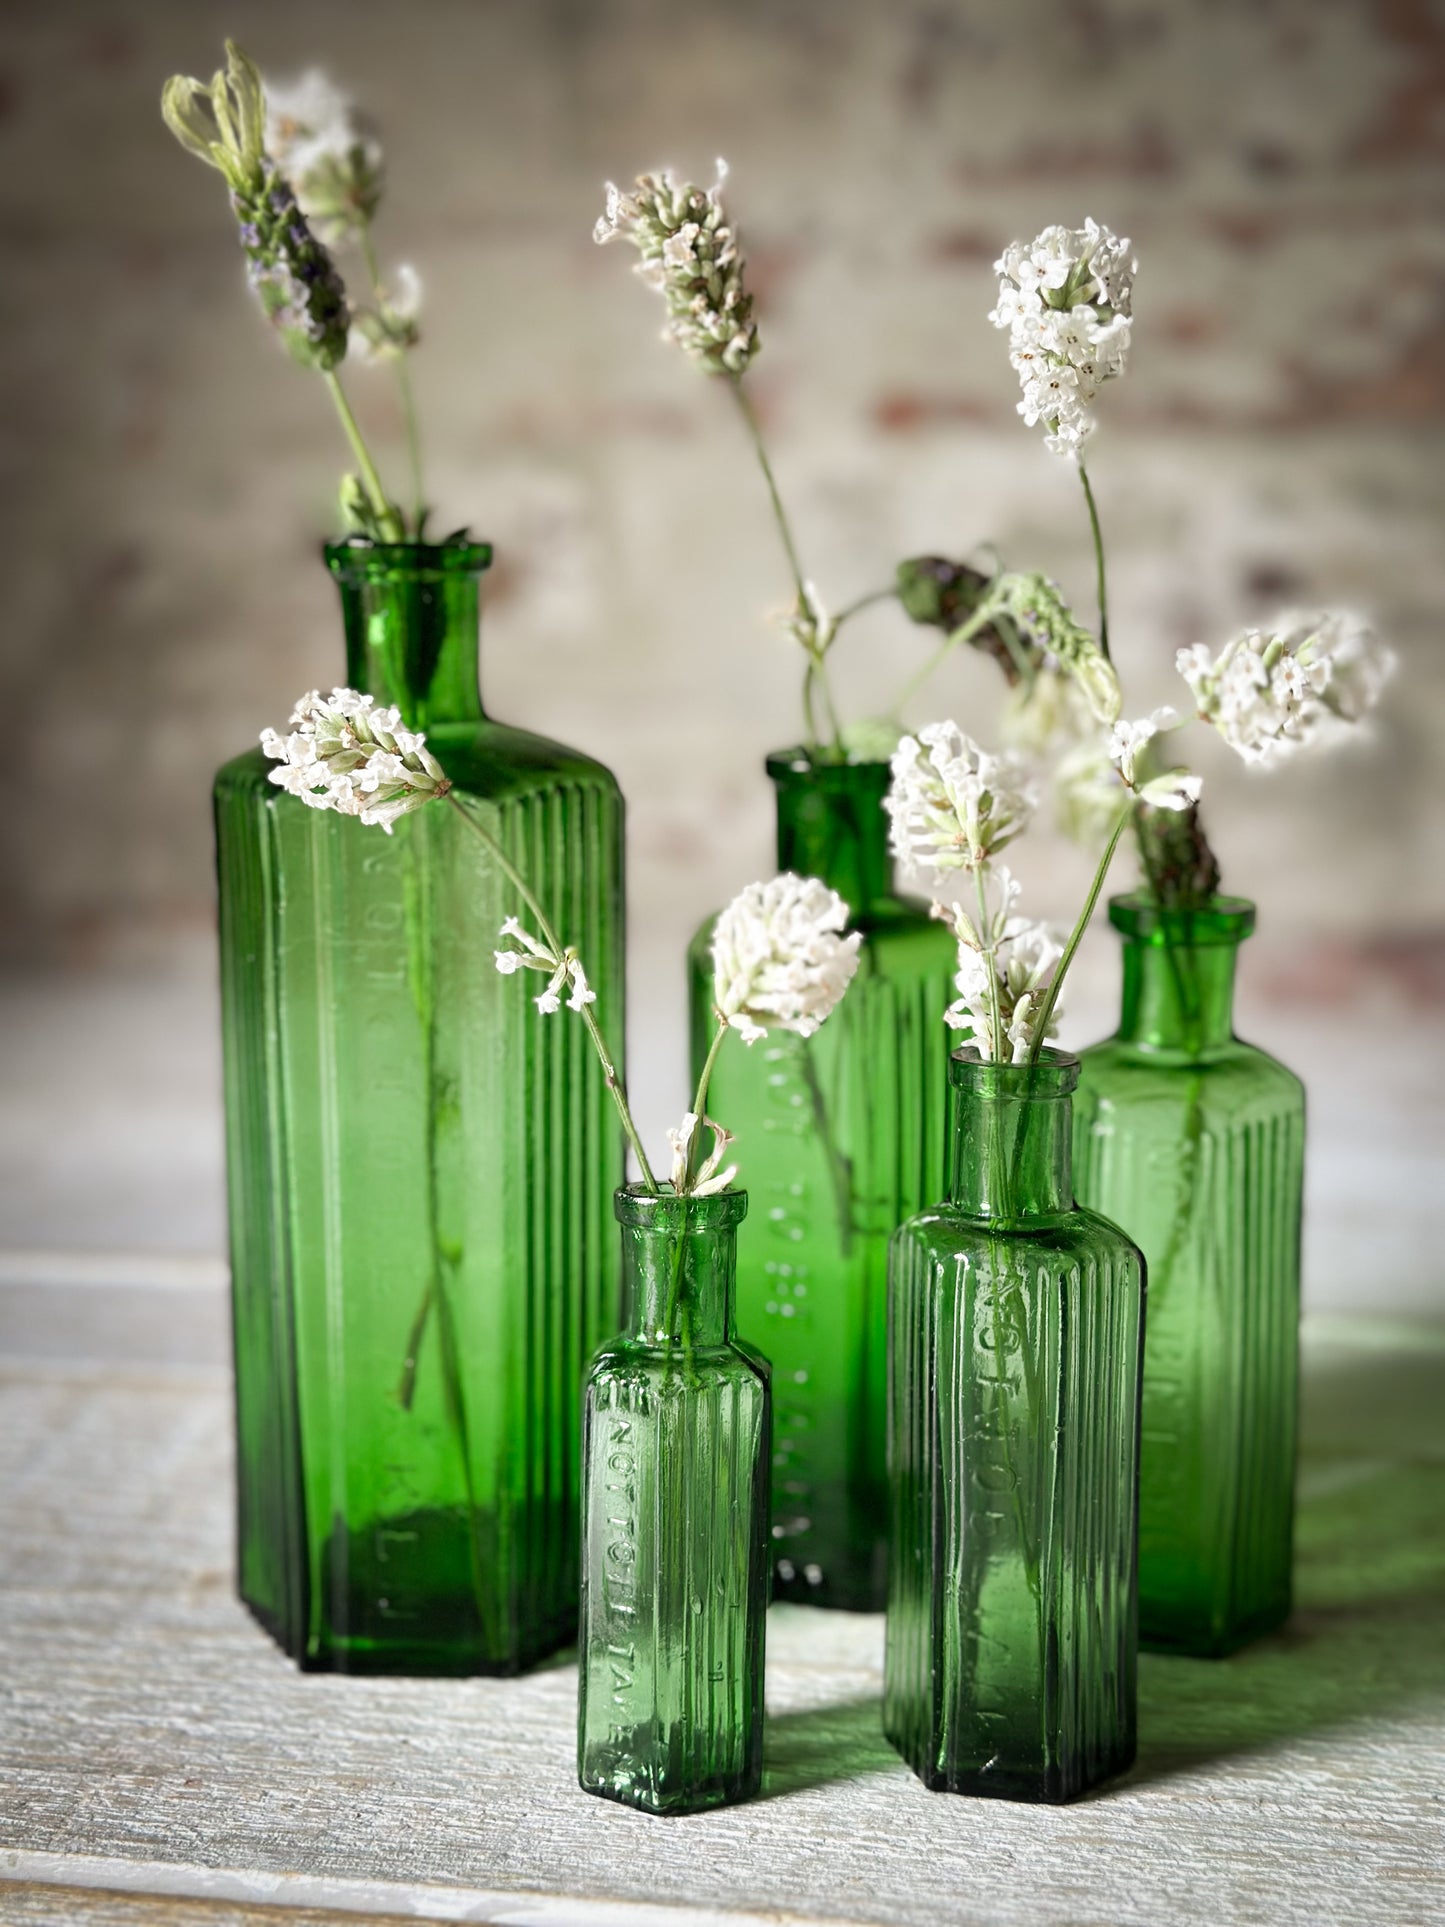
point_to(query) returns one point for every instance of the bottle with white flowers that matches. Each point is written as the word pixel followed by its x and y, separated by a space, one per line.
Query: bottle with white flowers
pixel 675 1562
pixel 845 1134
pixel 417 1176
pixel 1015 1349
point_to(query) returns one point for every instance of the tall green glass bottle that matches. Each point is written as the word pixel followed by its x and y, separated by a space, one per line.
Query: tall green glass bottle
pixel 675 1528
pixel 1194 1143
pixel 419 1170
pixel 1016 1327
pixel 843 1137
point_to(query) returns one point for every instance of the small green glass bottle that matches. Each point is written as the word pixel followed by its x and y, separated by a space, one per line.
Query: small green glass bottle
pixel 418 1170
pixel 1015 1335
pixel 843 1137
pixel 675 1522
pixel 1194 1142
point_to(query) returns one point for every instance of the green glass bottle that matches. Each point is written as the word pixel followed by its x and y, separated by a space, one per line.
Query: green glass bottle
pixel 1194 1143
pixel 843 1137
pixel 1015 1335
pixel 419 1170
pixel 675 1522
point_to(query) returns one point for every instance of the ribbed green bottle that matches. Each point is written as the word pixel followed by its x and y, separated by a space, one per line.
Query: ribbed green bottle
pixel 419 1168
pixel 842 1137
pixel 1194 1142
pixel 1015 1351
pixel 675 1528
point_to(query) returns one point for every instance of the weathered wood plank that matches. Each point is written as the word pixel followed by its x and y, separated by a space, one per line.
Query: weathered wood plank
pixel 148 1725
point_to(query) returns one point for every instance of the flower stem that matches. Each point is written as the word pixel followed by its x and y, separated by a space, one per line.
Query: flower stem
pixel 403 379
pixel 699 1102
pixel 981 617
pixel 815 673
pixel 609 1070
pixel 862 602
pixel 1076 935
pixel 1098 562
pixel 387 518
pixel 995 1012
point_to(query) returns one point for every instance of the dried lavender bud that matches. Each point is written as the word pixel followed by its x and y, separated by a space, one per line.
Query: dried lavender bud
pixel 1181 869
pixel 291 274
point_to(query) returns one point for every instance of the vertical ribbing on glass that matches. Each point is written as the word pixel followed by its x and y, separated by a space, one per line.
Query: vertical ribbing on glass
pixel 840 1138
pixel 428 1148
pixel 1014 1364
pixel 675 1545
pixel 1199 1156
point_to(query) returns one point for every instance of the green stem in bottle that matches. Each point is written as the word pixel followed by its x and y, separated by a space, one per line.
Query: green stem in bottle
pixel 403 381
pixel 1098 535
pixel 816 672
pixel 1076 935
pixel 388 520
pixel 609 1069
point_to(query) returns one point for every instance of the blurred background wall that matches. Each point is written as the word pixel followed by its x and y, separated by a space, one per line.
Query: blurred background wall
pixel 167 475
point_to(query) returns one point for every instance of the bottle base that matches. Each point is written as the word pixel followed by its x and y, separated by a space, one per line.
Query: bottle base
pixel 1162 1634
pixel 663 1803
pixel 1050 1786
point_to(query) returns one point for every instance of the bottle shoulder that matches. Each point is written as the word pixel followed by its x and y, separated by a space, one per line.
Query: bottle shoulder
pixel 486 760
pixel 1239 1074
pixel 944 1237
pixel 668 1374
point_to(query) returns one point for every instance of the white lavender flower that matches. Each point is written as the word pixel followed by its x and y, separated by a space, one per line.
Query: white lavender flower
pixel 1172 789
pixel 326 150
pixel 1271 691
pixel 1003 961
pixel 707 1179
pixel 562 968
pixel 346 753
pixel 780 960
pixel 393 326
pixel 953 805
pixel 292 275
pixel 1065 300
pixel 690 254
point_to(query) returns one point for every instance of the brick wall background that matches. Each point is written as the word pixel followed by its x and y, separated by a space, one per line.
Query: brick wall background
pixel 167 473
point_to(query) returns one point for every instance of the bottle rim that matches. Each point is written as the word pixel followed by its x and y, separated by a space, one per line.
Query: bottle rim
pixel 357 559
pixel 1220 920
pixel 634 1205
pixel 1054 1075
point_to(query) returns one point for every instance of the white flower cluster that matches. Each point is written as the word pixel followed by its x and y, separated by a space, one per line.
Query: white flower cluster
pixel 1004 967
pixel 1271 691
pixel 953 805
pixel 1065 300
pixel 394 325
pixel 1171 789
pixel 707 1179
pixel 780 960
pixel 342 752
pixel 325 150
pixel 690 254
pixel 563 968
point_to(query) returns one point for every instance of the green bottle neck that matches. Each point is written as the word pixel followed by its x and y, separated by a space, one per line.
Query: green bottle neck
pixel 1012 1138
pixel 832 825
pixel 679 1264
pixel 411 613
pixel 1178 994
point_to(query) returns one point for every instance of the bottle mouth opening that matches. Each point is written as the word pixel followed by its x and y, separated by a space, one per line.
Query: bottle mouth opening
pixel 1219 920
pixel 800 765
pixel 356 558
pixel 663 1210
pixel 1054 1075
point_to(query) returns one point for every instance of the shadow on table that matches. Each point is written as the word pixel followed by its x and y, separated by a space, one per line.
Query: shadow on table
pixel 821 1745
pixel 1365 1640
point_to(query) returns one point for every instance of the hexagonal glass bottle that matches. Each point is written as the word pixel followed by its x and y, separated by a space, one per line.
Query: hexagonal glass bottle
pixel 1194 1142
pixel 419 1169
pixel 1015 1342
pixel 843 1137
pixel 675 1525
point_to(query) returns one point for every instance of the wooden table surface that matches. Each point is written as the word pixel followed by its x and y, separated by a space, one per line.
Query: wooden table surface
pixel 161 1765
